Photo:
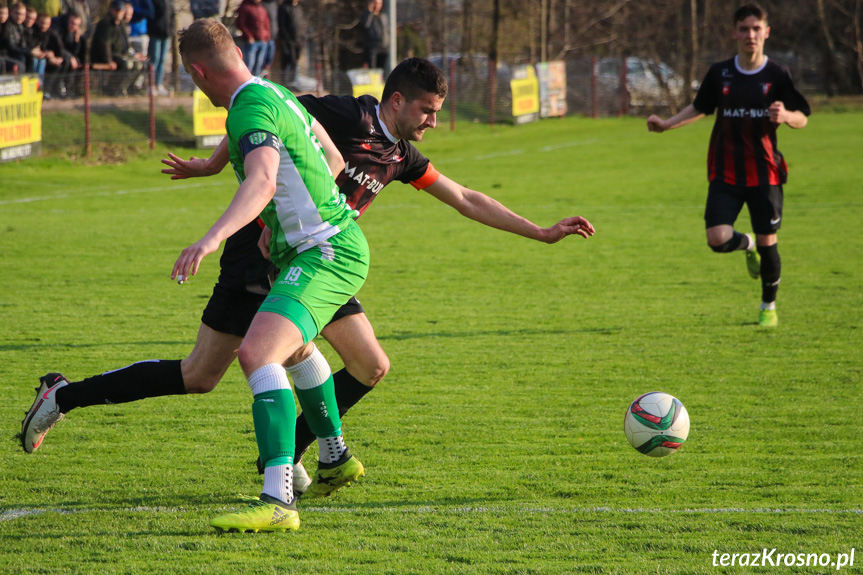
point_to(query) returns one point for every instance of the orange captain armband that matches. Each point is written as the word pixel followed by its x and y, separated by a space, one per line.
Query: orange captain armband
pixel 427 179
pixel 261 223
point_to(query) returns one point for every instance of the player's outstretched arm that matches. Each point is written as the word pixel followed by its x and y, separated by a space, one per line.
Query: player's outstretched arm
pixel 485 210
pixel 261 166
pixel 181 169
pixel 686 116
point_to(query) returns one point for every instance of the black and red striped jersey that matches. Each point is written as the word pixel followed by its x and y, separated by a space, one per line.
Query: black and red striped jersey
pixel 373 157
pixel 743 148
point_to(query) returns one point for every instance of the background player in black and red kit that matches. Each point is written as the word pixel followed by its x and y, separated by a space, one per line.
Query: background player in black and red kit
pixel 374 139
pixel 752 96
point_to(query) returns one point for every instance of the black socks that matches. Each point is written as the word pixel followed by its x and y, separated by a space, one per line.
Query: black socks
pixel 152 378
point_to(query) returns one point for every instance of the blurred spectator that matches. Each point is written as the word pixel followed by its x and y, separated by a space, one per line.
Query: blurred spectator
pixel 206 8
pixel 253 22
pixel 82 9
pixel 272 8
pixel 142 12
pixel 292 37
pixel 8 64
pixel 29 23
pixel 74 55
pixel 160 28
pixel 14 39
pixel 110 51
pixel 51 7
pixel 376 39
pixel 48 46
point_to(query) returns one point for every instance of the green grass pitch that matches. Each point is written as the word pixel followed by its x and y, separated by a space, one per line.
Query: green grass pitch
pixel 496 443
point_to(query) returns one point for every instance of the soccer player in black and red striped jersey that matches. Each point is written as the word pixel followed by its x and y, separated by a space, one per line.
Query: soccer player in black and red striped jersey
pixel 752 96
pixel 372 141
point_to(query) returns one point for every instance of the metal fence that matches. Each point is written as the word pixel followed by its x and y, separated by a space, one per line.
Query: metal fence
pixel 92 106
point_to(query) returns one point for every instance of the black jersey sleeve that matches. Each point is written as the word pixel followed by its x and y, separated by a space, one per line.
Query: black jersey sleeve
pixel 790 97
pixel 415 165
pixel 707 97
pixel 337 114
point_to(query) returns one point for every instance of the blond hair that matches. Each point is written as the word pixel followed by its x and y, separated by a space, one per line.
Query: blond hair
pixel 209 41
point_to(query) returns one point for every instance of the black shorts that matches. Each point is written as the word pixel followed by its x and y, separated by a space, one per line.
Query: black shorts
pixel 232 310
pixel 725 201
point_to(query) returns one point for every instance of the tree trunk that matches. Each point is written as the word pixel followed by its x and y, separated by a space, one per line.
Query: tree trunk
pixel 467 25
pixel 829 56
pixel 858 44
pixel 495 30
pixel 693 61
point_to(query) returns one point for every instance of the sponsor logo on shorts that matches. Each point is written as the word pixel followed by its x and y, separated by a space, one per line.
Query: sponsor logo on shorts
pixel 774 221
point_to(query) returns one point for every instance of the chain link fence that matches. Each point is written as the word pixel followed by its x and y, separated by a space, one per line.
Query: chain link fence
pixel 116 107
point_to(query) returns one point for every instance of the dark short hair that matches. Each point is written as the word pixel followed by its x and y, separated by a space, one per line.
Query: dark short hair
pixel 750 9
pixel 413 78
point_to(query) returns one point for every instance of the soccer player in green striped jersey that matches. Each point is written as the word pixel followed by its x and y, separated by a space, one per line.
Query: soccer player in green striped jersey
pixel 320 250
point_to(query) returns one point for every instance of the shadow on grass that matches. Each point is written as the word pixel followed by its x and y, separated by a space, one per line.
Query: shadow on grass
pixel 497 332
pixel 29 346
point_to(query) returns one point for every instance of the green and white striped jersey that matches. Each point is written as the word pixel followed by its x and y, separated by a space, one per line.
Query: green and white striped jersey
pixel 307 208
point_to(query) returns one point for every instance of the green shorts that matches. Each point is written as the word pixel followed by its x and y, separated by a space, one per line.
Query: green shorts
pixel 313 285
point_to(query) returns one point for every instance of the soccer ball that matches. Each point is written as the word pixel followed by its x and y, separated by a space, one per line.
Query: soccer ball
pixel 656 424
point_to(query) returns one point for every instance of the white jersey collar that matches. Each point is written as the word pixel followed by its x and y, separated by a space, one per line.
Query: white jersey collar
pixel 252 80
pixel 389 136
pixel 749 72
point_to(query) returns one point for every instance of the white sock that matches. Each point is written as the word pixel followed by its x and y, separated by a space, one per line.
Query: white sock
pixel 279 482
pixel 330 448
pixel 771 305
pixel 270 377
pixel 312 371
pixel 751 245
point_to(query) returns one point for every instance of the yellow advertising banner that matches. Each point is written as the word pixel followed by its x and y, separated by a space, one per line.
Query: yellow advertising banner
pixel 367 81
pixel 20 117
pixel 209 120
pixel 525 92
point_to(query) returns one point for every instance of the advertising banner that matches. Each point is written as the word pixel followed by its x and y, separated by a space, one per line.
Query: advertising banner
pixel 552 88
pixel 525 94
pixel 209 121
pixel 20 117
pixel 367 81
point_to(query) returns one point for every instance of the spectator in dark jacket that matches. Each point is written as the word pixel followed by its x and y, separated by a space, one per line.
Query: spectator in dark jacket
pixel 376 36
pixel 160 29
pixel 47 44
pixel 82 9
pixel 254 23
pixel 110 51
pixel 8 63
pixel 74 55
pixel 14 40
pixel 292 36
